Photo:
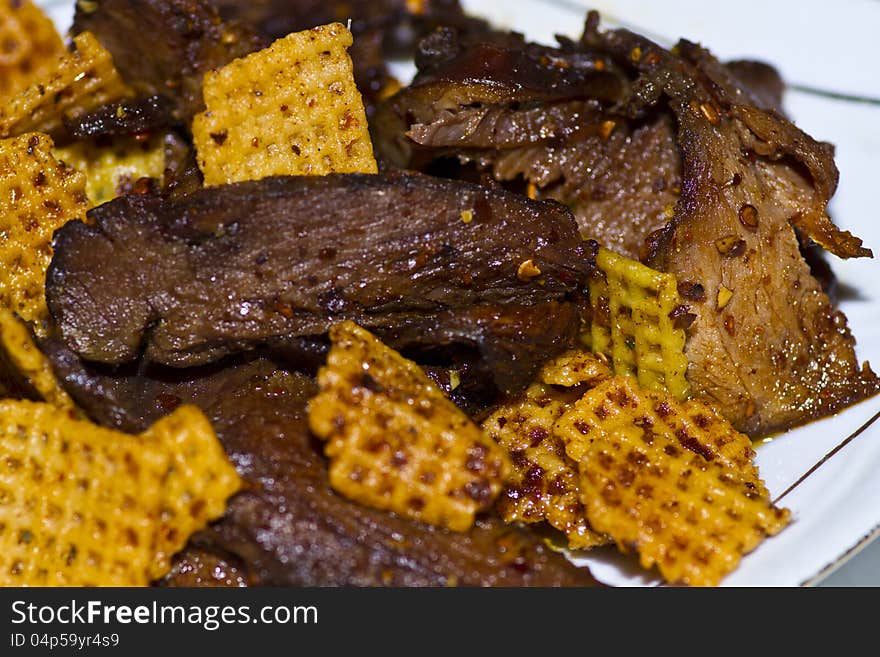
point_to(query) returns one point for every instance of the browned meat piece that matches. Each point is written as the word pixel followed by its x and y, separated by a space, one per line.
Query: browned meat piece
pixel 122 118
pixel 164 47
pixel 767 344
pixel 229 268
pixel 289 527
pixel 549 117
pixel 542 115
pixel 197 567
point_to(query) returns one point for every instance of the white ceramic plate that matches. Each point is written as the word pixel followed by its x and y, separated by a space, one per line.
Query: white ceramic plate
pixel 827 473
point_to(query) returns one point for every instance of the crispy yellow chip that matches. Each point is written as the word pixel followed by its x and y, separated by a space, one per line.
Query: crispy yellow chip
pixel 395 441
pixel 113 168
pixel 543 485
pixel 575 367
pixel 290 109
pixel 673 482
pixel 80 82
pixel 636 316
pixel 82 505
pixel 37 195
pixel 29 45
pixel 25 365
pixel 195 486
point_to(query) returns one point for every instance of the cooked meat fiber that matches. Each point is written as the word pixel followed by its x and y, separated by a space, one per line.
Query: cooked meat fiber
pixel 767 343
pixel 164 47
pixel 229 268
pixel 289 527
pixel 543 115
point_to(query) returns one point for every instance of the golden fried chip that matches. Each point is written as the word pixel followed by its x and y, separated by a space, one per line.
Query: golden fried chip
pixel 29 46
pixel 575 367
pixel 80 82
pixel 113 169
pixel 83 505
pixel 668 481
pixel 636 322
pixel 195 487
pixel 37 196
pixel 290 109
pixel 395 441
pixel 543 485
pixel 25 365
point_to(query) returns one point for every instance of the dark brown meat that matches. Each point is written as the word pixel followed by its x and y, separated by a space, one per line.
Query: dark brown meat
pixel 381 29
pixel 229 268
pixel 543 115
pixel 777 353
pixel 164 47
pixel 289 527
pixel 198 567
pixel 122 118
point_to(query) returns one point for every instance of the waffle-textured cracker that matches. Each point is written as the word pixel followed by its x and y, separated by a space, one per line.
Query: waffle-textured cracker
pixel 636 322
pixel 25 366
pixel 395 441
pixel 668 481
pixel 29 45
pixel 83 505
pixel 38 195
pixel 81 81
pixel 289 109
pixel 544 482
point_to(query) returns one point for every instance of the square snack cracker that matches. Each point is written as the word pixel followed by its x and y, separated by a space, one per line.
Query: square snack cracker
pixel 671 482
pixel 29 45
pixel 38 195
pixel 290 109
pixel 80 82
pixel 395 441
pixel 83 505
pixel 636 322
pixel 543 484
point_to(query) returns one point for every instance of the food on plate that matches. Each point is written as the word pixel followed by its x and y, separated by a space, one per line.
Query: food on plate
pixel 538 302
pixel 86 505
pixel 31 45
pixel 37 195
pixel 292 108
pixel 702 183
pixel 395 441
pixel 670 481
pixel 638 321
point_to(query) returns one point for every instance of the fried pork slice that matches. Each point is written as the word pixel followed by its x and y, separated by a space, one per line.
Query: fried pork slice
pixel 231 268
pixel 395 441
